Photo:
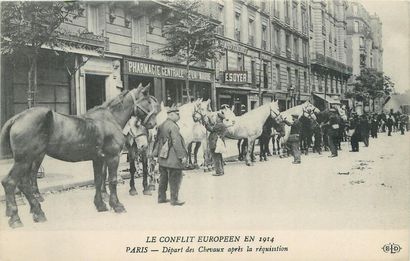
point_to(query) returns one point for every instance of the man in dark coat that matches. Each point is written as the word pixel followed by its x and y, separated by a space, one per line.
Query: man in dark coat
pixel 264 139
pixel 294 138
pixel 354 140
pixel 317 133
pixel 217 131
pixel 172 155
pixel 374 126
pixel 333 132
pixel 389 124
pixel 364 129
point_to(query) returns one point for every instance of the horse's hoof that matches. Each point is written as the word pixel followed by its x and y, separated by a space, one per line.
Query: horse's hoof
pixel 39 197
pixel 248 164
pixel 119 208
pixel 147 192
pixel 102 208
pixel 133 192
pixel 15 222
pixel 39 217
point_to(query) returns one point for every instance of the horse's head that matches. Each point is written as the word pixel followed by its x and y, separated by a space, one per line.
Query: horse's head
pixel 309 111
pixel 140 135
pixel 274 111
pixel 145 106
pixel 342 113
pixel 228 120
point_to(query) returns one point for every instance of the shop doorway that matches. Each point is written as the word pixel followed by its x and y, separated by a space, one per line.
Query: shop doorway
pixel 94 90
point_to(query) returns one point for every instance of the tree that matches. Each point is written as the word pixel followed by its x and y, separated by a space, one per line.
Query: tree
pixel 190 36
pixel 27 26
pixel 371 84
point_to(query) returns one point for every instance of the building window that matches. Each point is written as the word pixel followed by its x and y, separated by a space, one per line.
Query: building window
pixel 356 26
pixel 296 47
pixel 310 18
pixel 324 47
pixel 265 76
pixel 253 72
pixel 240 64
pixel 287 14
pixel 304 22
pixel 278 76
pixel 355 9
pixel 237 26
pixel 297 80
pixel 93 19
pixel 289 78
pixel 305 84
pixel 295 16
pixel 323 18
pixel 361 41
pixel 251 32
pixel 264 37
pixel 287 42
pixel 138 28
pixel 277 39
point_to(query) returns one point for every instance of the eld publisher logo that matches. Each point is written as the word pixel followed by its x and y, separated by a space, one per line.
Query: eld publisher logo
pixel 391 248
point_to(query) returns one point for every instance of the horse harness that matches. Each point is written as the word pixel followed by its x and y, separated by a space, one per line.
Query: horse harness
pixel 149 114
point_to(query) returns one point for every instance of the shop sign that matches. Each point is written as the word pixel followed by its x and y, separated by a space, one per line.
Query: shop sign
pixel 156 70
pixel 233 47
pixel 236 77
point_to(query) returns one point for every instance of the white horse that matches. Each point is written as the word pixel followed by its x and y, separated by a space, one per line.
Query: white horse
pixel 191 122
pixel 249 125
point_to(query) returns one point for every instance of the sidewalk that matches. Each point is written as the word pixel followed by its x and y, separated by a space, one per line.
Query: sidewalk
pixel 61 175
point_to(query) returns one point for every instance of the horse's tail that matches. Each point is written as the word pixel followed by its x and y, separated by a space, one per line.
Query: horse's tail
pixel 5 147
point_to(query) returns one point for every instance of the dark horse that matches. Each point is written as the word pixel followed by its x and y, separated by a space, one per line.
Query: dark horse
pixel 323 118
pixel 96 135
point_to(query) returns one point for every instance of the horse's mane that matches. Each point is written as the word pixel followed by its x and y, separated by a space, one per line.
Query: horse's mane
pixel 111 103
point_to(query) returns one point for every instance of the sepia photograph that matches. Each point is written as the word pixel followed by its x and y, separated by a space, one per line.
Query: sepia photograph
pixel 205 130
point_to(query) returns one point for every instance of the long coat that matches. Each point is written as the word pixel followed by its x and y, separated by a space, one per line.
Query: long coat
pixel 168 131
pixel 217 130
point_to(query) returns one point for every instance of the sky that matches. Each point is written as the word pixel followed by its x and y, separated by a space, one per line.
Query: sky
pixel 395 16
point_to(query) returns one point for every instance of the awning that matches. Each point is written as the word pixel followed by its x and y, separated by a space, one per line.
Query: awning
pixel 328 99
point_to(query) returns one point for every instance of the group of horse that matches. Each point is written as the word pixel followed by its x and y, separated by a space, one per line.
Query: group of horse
pixel 128 120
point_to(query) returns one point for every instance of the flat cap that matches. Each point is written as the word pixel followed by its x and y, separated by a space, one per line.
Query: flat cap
pixel 173 109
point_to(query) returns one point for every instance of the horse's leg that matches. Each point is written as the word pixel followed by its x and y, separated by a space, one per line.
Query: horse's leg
pixel 238 144
pixel 28 189
pixel 98 167
pixel 34 169
pixel 189 154
pixel 144 159
pixel 9 183
pixel 248 154
pixel 197 145
pixel 112 164
pixel 104 174
pixel 133 169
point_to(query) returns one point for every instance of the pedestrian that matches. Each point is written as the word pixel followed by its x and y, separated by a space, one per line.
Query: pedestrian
pixel 317 133
pixel 217 132
pixel 364 129
pixel 171 153
pixel 294 139
pixel 333 132
pixel 264 139
pixel 389 124
pixel 374 126
pixel 354 139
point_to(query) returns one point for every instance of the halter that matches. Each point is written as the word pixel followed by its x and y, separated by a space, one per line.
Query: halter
pixel 137 106
pixel 277 115
pixel 197 112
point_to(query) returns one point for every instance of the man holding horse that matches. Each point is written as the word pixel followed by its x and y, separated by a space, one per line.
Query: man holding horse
pixel 333 131
pixel 294 139
pixel 171 153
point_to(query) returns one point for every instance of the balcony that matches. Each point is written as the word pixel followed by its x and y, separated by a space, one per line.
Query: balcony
pixel 288 53
pixel 287 20
pixel 263 45
pixel 323 30
pixel 276 50
pixel 328 62
pixel 139 50
pixel 251 40
pixel 237 35
pixel 86 40
pixel 220 29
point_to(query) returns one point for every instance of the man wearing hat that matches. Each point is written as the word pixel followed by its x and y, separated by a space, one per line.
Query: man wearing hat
pixel 217 131
pixel 333 131
pixel 354 139
pixel 170 149
pixel 294 138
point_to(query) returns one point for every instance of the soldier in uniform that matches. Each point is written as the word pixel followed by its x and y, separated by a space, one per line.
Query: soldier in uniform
pixel 172 155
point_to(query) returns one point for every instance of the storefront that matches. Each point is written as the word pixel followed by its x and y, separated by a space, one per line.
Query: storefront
pixel 168 80
pixel 281 98
pixel 238 99
pixel 324 102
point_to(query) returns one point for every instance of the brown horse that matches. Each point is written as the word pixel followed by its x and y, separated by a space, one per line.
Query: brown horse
pixel 96 135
